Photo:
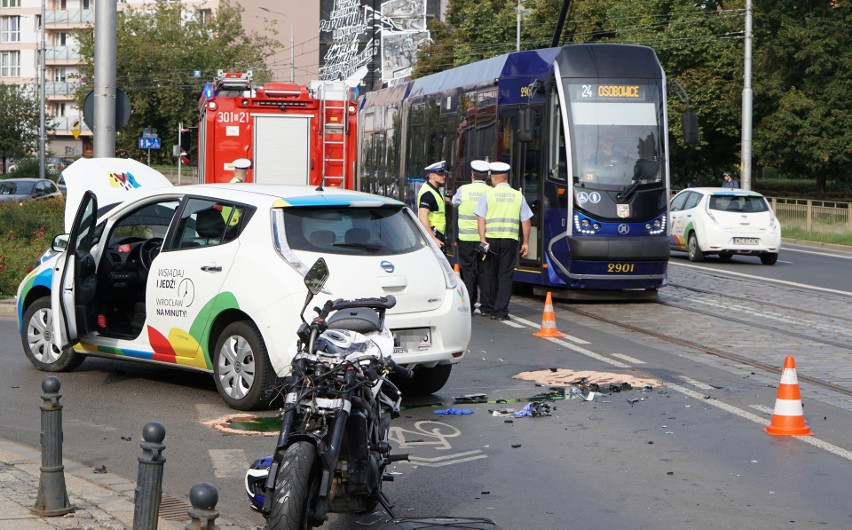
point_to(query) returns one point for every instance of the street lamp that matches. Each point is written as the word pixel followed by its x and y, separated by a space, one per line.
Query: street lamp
pixel 292 45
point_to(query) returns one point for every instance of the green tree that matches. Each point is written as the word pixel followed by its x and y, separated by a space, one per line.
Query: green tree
pixel 158 47
pixel 19 122
pixel 803 113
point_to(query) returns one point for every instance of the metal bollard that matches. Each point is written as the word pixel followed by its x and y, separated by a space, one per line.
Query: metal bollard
pixel 52 498
pixel 149 481
pixel 203 497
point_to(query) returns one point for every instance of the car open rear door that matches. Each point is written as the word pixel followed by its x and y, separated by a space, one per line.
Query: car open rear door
pixel 75 277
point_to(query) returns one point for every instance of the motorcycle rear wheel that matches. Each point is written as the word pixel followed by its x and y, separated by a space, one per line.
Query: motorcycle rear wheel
pixel 296 489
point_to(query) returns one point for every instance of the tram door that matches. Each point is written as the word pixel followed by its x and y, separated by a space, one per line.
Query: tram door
pixel 525 153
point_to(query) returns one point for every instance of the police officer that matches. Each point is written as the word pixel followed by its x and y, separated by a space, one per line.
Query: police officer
pixel 431 208
pixel 503 216
pixel 466 199
pixel 241 167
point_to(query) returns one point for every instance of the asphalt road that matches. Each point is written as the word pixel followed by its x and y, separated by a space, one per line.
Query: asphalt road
pixel 690 453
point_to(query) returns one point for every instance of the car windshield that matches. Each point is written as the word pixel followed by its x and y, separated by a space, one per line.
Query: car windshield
pixel 741 204
pixel 15 188
pixel 352 231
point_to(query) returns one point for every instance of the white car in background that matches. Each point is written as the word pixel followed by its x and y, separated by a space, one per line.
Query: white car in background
pixel 210 278
pixel 724 222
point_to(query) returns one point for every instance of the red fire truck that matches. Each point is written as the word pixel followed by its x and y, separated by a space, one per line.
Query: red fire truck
pixel 292 134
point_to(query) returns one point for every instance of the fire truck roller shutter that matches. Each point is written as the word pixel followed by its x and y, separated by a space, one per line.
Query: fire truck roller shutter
pixel 282 149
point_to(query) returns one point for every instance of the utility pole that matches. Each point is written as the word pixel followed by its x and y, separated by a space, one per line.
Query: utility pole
pixel 292 56
pixel 745 156
pixel 104 93
pixel 42 136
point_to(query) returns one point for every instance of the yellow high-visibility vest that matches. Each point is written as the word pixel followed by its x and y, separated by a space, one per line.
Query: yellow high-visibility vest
pixel 503 218
pixel 470 194
pixel 437 219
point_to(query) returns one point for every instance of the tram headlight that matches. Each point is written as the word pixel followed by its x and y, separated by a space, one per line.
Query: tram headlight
pixel 585 226
pixel 658 226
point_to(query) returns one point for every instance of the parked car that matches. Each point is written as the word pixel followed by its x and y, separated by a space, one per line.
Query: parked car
pixel 20 190
pixel 724 222
pixel 60 183
pixel 210 277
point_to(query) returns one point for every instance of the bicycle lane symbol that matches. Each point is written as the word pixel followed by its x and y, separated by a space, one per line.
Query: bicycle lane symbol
pixel 433 435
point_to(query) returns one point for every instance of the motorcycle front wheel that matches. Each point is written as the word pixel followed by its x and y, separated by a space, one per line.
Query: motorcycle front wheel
pixel 296 489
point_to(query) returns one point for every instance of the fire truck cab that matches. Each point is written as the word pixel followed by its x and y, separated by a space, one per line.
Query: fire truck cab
pixel 292 134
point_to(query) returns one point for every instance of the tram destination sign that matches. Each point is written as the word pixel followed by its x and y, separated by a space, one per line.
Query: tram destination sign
pixel 608 91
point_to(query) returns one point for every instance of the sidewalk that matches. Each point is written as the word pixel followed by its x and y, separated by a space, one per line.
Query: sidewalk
pixel 101 501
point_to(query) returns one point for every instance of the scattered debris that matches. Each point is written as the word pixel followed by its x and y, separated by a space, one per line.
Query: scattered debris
pixel 534 410
pixel 502 412
pixel 126 438
pixel 454 412
pixel 471 398
pixel 515 446
pixel 101 469
pixel 564 377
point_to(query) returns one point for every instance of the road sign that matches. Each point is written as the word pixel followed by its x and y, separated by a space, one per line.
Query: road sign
pixel 122 109
pixel 149 132
pixel 149 143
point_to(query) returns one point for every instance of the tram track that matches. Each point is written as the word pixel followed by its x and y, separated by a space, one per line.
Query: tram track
pixel 702 347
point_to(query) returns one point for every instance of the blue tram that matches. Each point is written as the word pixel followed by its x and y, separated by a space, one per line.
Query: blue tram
pixel 584 128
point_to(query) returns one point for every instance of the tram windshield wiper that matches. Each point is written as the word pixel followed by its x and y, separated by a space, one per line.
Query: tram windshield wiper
pixel 628 191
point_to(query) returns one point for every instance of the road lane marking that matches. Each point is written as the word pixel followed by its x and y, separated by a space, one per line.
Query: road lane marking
pixel 813 440
pixel 760 278
pixel 228 463
pixel 696 384
pixel 788 249
pixel 446 460
pixel 587 353
pixel 627 358
pixel 533 325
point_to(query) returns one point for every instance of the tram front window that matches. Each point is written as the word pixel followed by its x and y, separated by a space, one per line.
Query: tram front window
pixel 615 135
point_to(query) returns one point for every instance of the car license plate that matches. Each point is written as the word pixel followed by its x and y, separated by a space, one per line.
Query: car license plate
pixel 746 241
pixel 414 339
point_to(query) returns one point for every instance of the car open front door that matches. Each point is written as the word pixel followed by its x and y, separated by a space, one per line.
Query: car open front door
pixel 75 277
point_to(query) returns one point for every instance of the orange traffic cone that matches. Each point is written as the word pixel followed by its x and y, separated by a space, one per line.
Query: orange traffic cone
pixel 788 419
pixel 548 321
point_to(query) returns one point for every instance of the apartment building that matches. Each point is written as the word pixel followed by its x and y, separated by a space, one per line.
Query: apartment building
pixel 21 38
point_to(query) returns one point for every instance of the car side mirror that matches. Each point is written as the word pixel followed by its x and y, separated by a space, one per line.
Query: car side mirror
pixel 59 243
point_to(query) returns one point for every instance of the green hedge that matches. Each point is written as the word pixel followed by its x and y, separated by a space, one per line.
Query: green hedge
pixel 26 230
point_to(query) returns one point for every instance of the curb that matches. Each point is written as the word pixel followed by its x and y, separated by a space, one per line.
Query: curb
pixel 103 501
pixel 9 308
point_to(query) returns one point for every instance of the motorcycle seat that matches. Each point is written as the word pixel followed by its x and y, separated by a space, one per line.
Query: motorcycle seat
pixel 359 319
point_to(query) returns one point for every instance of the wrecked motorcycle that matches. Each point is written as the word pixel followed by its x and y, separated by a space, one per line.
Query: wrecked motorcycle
pixel 333 445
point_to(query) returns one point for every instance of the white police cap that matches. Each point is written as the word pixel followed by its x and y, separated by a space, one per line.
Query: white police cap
pixel 499 167
pixel 437 167
pixel 479 166
pixel 242 163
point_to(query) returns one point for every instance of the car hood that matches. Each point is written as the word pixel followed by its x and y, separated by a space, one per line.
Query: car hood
pixel 113 180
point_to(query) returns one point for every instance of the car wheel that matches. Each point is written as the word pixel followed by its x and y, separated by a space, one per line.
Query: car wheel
pixel 241 366
pixel 769 258
pixel 425 381
pixel 37 340
pixel 725 256
pixel 695 253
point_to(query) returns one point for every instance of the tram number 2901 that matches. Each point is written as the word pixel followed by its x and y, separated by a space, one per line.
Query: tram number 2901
pixel 619 268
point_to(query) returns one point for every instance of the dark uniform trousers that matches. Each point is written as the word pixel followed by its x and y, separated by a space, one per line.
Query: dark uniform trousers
pixel 497 276
pixel 471 267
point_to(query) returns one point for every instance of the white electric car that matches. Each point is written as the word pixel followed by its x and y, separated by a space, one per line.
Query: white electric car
pixel 210 277
pixel 724 222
